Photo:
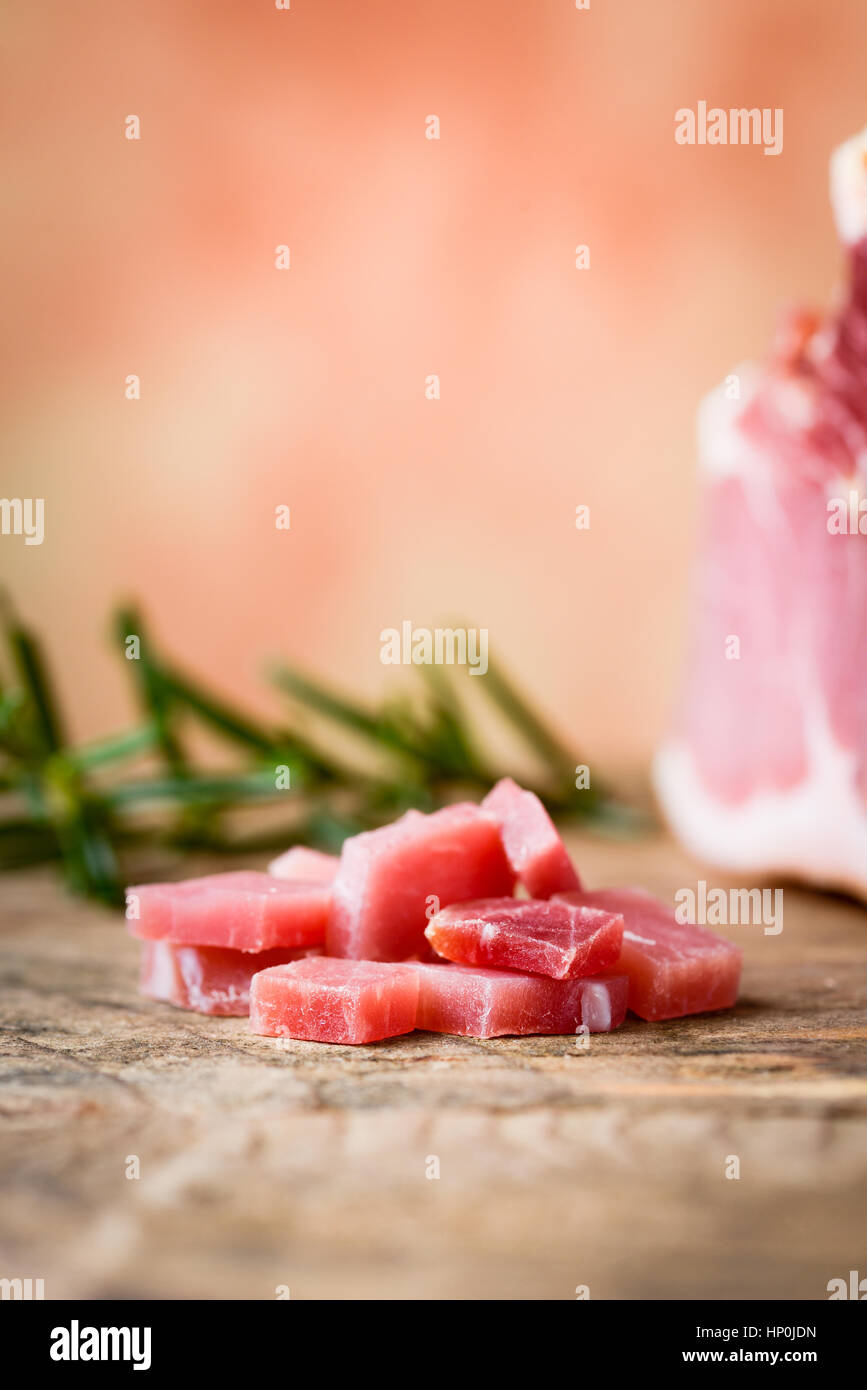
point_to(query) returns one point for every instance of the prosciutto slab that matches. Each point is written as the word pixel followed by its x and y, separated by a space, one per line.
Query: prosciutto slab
pixel 206 979
pixel 244 911
pixel 336 1001
pixel 390 878
pixel 532 844
pixel 674 969
pixel 558 939
pixel 473 1002
pixel 765 770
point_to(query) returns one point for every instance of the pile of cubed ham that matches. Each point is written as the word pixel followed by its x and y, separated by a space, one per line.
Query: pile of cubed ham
pixel 417 925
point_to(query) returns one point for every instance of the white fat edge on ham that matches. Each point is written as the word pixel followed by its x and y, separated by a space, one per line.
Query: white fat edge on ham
pixel 596 1007
pixel 815 830
pixel 848 179
pixel 644 940
pixel 722 448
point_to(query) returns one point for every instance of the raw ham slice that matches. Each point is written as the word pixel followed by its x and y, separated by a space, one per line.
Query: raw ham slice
pixel 673 968
pixel 542 938
pixel 390 878
pixel 477 1003
pixel 207 979
pixel 533 846
pixel 245 911
pixel 766 768
pixel 309 865
pixel 336 1001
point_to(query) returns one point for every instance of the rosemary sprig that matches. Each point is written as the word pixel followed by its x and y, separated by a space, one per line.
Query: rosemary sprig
pixel 154 694
pixel 92 807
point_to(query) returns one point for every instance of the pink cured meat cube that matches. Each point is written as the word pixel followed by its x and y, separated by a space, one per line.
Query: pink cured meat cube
pixel 207 979
pixel 533 846
pixel 544 938
pixel 673 968
pixel 380 897
pixel 245 911
pixel 477 1003
pixel 336 1001
pixel 309 865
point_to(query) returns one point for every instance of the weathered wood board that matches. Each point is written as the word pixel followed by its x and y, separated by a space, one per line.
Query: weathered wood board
pixel 265 1164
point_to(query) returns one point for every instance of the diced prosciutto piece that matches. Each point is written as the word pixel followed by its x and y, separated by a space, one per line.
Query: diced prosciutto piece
pixel 208 979
pixel 765 769
pixel 244 910
pixel 544 938
pixel 477 1003
pixel 673 968
pixel 389 879
pixel 309 865
pixel 335 1001
pixel 532 844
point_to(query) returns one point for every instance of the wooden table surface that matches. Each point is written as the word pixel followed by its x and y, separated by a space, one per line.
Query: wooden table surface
pixel 266 1164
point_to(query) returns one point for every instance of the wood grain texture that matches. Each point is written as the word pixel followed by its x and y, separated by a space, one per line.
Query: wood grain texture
pixel 269 1163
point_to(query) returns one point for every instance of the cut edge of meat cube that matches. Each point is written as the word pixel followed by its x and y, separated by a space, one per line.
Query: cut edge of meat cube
pixel 389 877
pixel 335 1000
pixel 675 969
pixel 241 910
pixel 531 840
pixel 549 937
pixel 308 865
pixel 211 980
pixel 477 1002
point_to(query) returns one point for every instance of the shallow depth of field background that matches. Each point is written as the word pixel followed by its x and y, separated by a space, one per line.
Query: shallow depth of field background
pixel 409 257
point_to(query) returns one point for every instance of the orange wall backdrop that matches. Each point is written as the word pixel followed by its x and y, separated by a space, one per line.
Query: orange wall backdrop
pixel 409 257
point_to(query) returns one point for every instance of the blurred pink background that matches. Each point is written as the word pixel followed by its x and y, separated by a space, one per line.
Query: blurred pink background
pixel 409 257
